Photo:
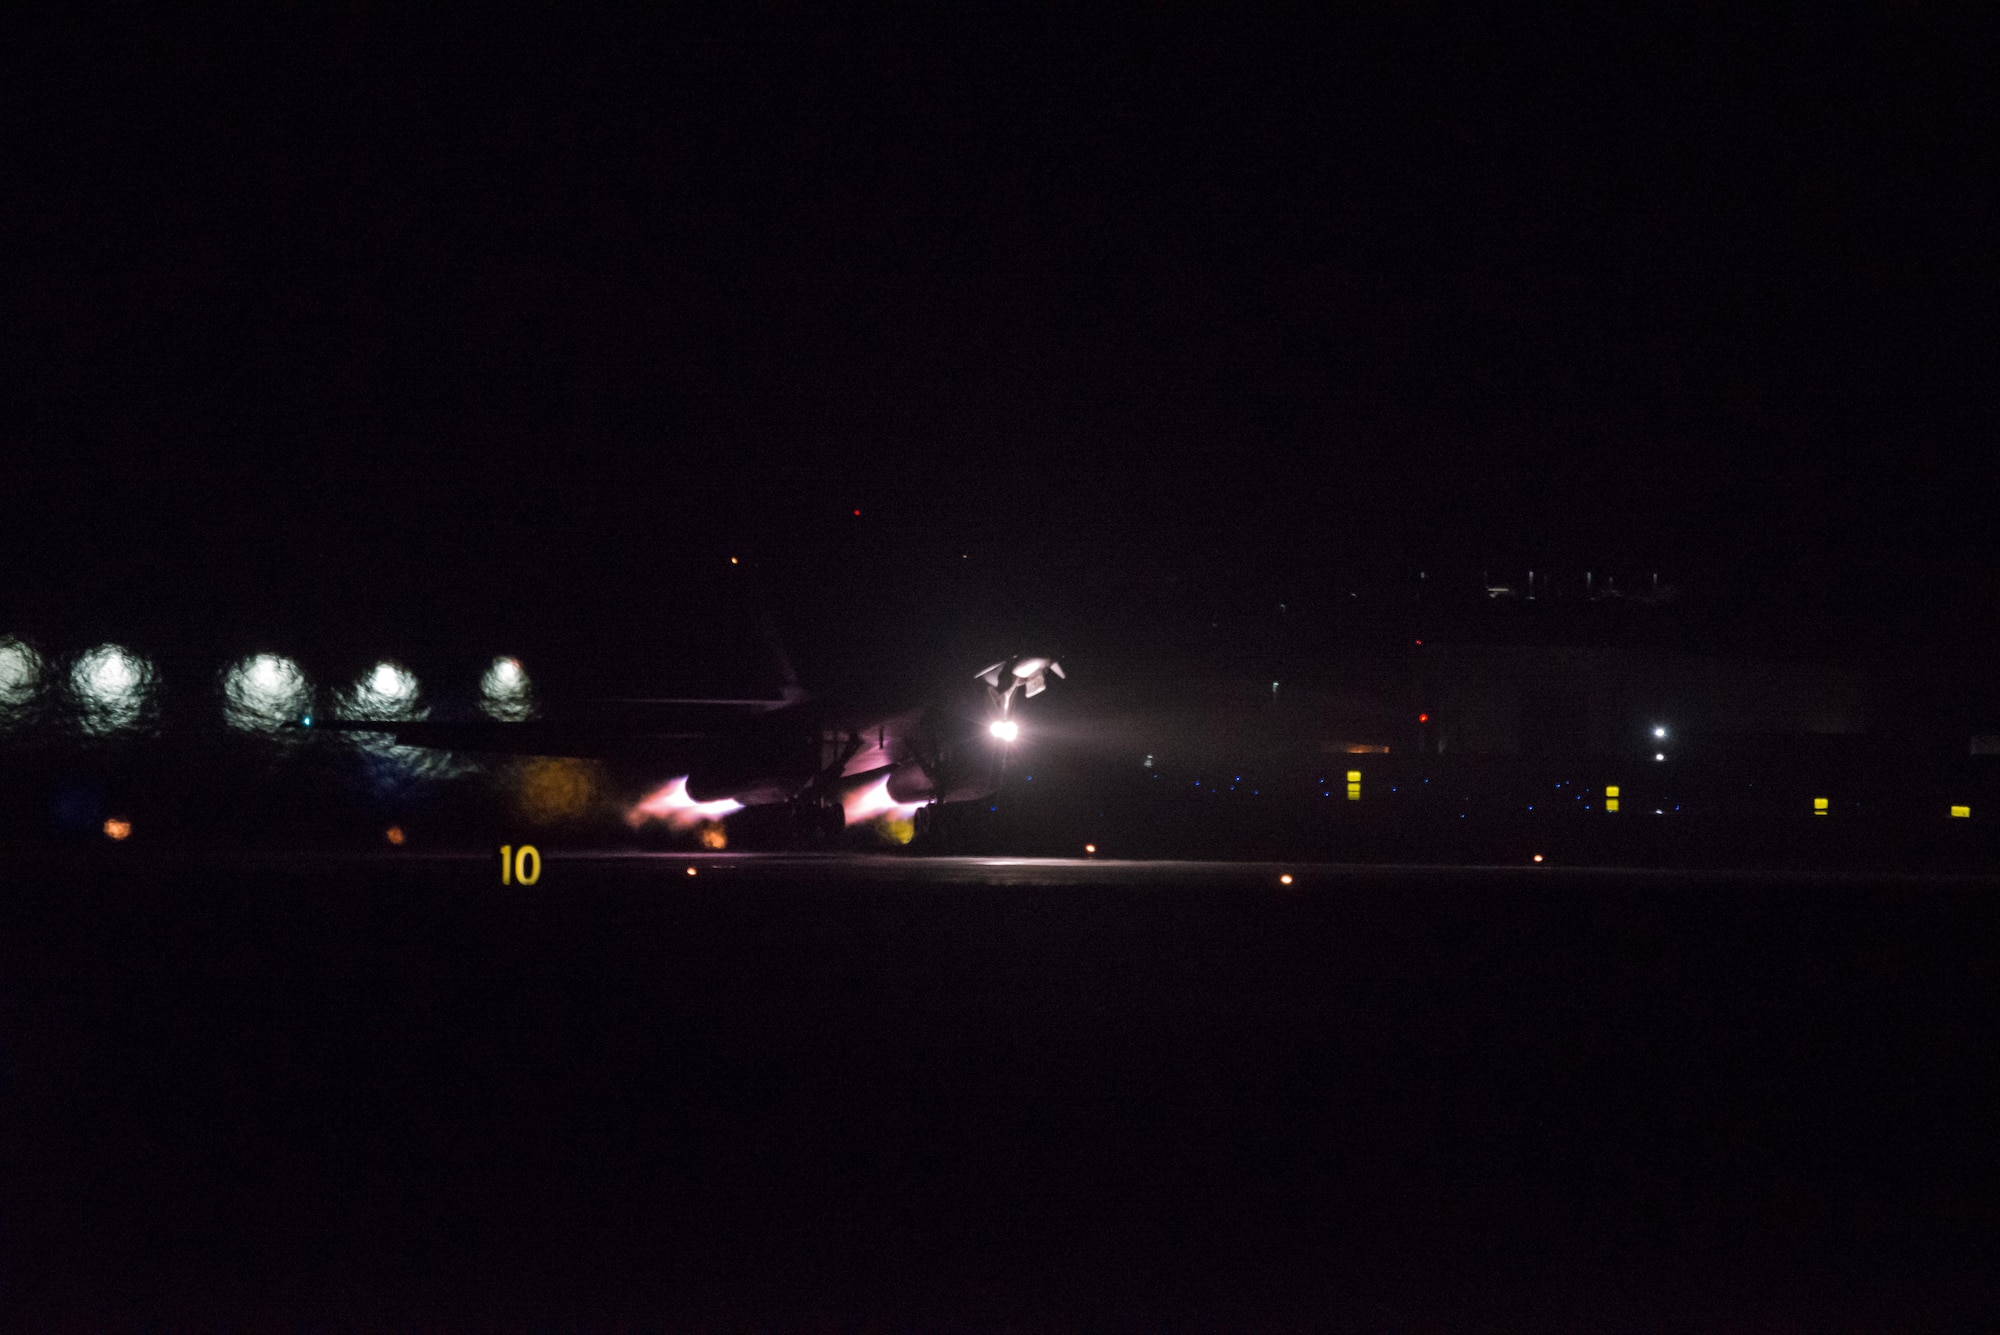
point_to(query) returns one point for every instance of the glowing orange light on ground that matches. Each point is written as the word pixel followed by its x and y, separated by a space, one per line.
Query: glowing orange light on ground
pixel 394 834
pixel 1090 848
pixel 1538 857
pixel 1286 879
pixel 690 871
pixel 713 836
pixel 115 829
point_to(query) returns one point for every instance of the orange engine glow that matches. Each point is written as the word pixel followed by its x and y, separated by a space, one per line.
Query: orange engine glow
pixel 673 805
pixel 115 829
pixel 394 834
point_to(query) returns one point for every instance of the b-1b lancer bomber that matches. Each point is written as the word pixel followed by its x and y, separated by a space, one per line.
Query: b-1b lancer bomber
pixel 830 761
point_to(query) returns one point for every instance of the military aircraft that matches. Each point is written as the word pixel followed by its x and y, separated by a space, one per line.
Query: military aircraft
pixel 828 761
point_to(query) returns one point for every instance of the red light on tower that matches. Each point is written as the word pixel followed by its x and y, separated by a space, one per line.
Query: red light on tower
pixel 1423 718
pixel 857 514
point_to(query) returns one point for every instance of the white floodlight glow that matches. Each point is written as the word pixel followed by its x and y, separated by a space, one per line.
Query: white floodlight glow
pixel 1005 729
pixel 265 692
pixel 1659 755
pixel 1660 731
pixel 20 672
pixel 386 692
pixel 505 692
pixel 111 687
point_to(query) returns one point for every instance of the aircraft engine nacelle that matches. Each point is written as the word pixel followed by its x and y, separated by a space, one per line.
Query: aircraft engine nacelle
pixel 750 784
pixel 911 783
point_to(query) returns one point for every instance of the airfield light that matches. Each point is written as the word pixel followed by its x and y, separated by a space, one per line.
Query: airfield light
pixel 112 686
pixel 505 694
pixel 1611 798
pixel 115 829
pixel 1005 729
pixel 690 871
pixel 1538 857
pixel 1819 806
pixel 1423 718
pixel 20 672
pixel 1286 879
pixel 394 834
pixel 1961 812
pixel 1090 848
pixel 732 560
pixel 1659 731
pixel 1659 755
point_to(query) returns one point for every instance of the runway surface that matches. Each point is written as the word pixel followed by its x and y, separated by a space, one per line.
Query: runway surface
pixel 903 868
pixel 812 1090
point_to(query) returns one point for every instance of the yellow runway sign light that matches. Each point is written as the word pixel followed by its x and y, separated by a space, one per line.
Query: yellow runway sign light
pixel 1961 812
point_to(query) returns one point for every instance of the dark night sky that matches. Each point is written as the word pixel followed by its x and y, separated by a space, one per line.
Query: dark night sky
pixel 454 326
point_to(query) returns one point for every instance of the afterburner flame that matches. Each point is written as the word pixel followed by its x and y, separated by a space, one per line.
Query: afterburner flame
pixel 873 802
pixel 673 805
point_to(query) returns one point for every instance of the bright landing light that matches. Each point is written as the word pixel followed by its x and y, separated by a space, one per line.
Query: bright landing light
pixel 1005 729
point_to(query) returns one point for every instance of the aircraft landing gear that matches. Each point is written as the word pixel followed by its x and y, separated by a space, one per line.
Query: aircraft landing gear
pixel 818 820
pixel 930 835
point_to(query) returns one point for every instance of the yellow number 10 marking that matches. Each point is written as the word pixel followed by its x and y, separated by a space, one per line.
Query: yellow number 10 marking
pixel 521 864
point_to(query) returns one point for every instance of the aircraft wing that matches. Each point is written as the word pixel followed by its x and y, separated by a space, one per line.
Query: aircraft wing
pixel 584 740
